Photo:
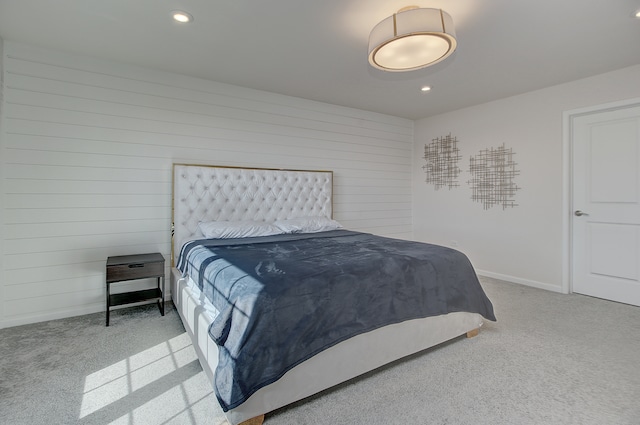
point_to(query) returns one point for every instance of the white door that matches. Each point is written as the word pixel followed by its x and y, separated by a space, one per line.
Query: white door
pixel 606 205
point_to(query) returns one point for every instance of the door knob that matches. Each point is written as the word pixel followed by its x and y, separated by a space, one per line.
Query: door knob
pixel 579 213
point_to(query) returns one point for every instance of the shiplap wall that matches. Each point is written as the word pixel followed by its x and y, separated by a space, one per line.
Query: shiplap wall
pixel 2 200
pixel 87 156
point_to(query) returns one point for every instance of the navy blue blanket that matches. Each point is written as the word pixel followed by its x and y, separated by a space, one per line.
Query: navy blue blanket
pixel 283 299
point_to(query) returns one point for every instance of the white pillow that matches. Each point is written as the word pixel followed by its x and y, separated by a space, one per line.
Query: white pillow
pixel 307 225
pixel 237 229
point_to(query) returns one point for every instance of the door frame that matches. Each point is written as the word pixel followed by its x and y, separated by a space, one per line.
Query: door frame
pixel 567 180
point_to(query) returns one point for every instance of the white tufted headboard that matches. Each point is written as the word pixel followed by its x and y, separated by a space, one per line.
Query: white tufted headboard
pixel 212 193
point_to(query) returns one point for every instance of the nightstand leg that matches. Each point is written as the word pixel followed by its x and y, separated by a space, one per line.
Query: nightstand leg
pixel 108 285
pixel 161 301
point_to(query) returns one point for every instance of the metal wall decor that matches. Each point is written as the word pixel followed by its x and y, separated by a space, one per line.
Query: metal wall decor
pixel 492 173
pixel 442 156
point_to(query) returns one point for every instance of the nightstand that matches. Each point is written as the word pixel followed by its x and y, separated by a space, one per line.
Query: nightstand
pixel 131 267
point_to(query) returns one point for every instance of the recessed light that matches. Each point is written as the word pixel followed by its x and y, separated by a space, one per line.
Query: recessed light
pixel 637 15
pixel 182 16
pixel 426 88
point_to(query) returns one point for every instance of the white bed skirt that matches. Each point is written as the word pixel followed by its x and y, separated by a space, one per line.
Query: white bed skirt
pixel 326 369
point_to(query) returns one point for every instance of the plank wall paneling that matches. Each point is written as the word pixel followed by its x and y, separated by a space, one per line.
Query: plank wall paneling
pixel 2 197
pixel 88 148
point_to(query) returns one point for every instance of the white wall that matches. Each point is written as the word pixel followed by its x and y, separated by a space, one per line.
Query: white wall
pixel 2 200
pixel 521 244
pixel 87 152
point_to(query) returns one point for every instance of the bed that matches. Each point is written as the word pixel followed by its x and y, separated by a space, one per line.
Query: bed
pixel 261 347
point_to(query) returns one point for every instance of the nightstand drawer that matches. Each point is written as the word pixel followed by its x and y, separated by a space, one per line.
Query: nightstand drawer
pixel 132 271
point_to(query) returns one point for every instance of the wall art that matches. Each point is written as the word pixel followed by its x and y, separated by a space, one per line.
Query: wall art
pixel 492 177
pixel 442 156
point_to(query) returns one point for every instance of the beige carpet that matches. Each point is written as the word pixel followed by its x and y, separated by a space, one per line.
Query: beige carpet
pixel 550 359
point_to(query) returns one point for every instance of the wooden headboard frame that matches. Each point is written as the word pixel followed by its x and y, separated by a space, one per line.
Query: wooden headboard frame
pixel 219 193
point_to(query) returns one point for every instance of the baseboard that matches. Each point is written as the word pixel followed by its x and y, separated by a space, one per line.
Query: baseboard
pixel 526 282
pixel 63 314
pixel 59 314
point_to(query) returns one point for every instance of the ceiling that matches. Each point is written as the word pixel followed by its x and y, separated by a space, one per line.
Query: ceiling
pixel 318 49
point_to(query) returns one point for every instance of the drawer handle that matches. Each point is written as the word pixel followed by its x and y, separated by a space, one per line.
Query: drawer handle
pixel 136 266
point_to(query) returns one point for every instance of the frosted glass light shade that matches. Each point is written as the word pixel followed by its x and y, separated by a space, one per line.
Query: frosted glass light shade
pixel 412 39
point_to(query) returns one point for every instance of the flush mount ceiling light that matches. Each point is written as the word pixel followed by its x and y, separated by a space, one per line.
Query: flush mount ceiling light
pixel 181 16
pixel 412 39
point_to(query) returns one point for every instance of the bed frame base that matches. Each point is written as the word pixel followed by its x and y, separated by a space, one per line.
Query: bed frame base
pixel 308 378
pixel 259 420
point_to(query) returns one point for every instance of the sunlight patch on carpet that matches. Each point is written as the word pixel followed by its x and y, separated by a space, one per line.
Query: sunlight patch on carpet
pixel 121 379
pixel 174 406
